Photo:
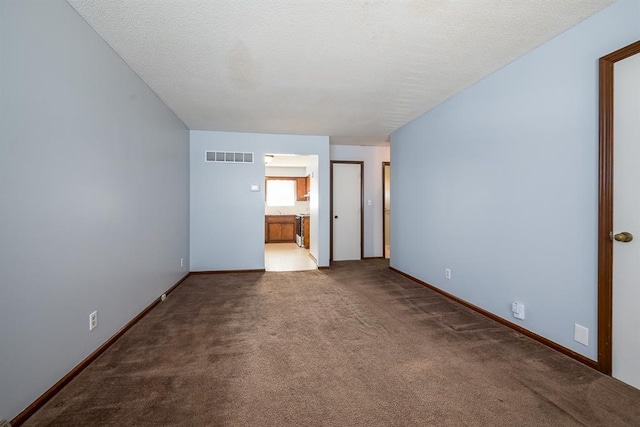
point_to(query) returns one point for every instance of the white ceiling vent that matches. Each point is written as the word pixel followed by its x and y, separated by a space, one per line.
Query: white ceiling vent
pixel 228 157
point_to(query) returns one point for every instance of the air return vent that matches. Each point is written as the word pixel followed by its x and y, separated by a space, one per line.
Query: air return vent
pixel 228 157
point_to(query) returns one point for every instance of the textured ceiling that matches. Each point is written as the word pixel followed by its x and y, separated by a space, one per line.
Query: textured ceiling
pixel 354 70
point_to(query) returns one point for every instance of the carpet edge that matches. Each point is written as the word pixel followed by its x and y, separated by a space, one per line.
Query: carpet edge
pixel 54 389
pixel 542 340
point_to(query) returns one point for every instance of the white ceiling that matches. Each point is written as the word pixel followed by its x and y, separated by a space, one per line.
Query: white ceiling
pixel 354 70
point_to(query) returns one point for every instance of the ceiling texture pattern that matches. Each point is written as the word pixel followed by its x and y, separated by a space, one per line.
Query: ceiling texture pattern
pixel 354 70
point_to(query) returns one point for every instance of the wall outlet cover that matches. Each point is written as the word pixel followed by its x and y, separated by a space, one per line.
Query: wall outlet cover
pixel 581 334
pixel 93 320
pixel 518 310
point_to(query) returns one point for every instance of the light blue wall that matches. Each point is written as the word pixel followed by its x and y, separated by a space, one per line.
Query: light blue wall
pixel 93 196
pixel 227 219
pixel 499 184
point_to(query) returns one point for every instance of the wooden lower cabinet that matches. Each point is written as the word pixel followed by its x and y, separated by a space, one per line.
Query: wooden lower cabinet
pixel 279 228
pixel 281 233
pixel 306 232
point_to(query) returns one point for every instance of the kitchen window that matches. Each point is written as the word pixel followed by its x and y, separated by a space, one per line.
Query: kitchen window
pixel 280 192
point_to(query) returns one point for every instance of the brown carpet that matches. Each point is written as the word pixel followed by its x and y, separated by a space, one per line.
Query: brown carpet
pixel 357 345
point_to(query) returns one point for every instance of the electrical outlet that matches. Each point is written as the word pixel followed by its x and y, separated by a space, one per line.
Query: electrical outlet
pixel 581 334
pixel 93 320
pixel 447 273
pixel 181 262
pixel 518 310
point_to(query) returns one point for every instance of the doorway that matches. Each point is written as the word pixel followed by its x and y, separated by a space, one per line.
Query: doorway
pixel 386 209
pixel 288 213
pixel 346 210
pixel 618 294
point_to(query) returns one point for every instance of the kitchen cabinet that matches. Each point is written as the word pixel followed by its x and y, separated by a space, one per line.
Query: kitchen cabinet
pixel 301 189
pixel 279 228
pixel 306 233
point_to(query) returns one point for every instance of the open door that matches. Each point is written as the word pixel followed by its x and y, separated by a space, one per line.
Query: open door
pixel 619 223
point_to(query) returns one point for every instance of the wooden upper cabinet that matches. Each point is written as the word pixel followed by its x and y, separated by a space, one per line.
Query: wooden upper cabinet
pixel 301 189
pixel 308 179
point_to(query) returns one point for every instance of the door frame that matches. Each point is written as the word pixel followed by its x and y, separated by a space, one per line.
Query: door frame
pixel 605 204
pixel 361 163
pixel 384 228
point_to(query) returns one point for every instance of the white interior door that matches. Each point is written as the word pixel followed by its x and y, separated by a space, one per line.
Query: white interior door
pixel 626 218
pixel 347 211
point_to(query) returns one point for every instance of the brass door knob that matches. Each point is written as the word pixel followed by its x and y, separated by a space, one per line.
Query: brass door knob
pixel 624 237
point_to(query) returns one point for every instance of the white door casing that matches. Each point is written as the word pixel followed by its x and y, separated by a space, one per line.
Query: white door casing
pixel 626 217
pixel 347 211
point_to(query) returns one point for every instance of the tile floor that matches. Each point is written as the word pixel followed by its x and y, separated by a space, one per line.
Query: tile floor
pixel 287 257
